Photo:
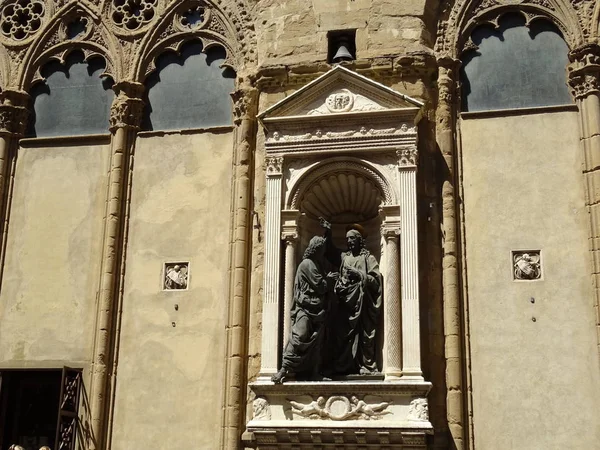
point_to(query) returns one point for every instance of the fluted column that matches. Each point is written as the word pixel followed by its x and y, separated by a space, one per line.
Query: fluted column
pixel 290 237
pixel 271 284
pixel 13 124
pixel 125 118
pixel 445 136
pixel 409 265
pixel 392 356
pixel 584 80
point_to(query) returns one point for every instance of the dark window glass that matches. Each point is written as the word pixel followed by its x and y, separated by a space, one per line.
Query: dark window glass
pixel 189 90
pixel 515 66
pixel 29 402
pixel 73 100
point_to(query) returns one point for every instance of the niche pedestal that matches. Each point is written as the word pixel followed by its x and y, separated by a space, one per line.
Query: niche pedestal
pixel 343 147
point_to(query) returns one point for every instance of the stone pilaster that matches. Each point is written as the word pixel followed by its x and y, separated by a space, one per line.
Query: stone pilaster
pixel 445 136
pixel 409 264
pixel 270 316
pixel 125 119
pixel 584 81
pixel 245 103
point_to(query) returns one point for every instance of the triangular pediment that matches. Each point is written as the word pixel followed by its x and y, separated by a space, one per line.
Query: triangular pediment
pixel 340 91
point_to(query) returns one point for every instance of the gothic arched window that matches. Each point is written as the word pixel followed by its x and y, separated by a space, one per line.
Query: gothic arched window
pixel 515 66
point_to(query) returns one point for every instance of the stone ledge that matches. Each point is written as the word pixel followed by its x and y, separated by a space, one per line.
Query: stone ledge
pixel 409 387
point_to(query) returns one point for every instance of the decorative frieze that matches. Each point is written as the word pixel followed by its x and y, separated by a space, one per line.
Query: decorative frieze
pixel 339 407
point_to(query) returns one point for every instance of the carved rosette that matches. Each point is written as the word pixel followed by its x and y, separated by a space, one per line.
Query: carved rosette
pixel 274 166
pixel 584 71
pixel 20 20
pixel 408 156
pixel 127 108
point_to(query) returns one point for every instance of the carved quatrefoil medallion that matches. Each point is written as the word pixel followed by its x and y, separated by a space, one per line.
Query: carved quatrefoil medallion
pixel 21 19
pixel 133 14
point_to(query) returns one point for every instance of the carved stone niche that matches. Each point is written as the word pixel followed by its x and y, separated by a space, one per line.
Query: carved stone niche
pixel 343 147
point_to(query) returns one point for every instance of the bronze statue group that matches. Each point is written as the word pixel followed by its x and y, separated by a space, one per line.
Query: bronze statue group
pixel 335 314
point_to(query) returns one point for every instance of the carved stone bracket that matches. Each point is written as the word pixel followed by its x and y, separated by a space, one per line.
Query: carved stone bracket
pixel 127 108
pixel 13 112
pixel 584 71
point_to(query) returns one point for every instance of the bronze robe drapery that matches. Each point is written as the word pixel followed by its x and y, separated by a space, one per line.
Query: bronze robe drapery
pixel 359 307
pixel 303 350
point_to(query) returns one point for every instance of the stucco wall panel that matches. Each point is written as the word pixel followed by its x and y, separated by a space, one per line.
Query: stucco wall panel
pixel 48 297
pixel 534 367
pixel 170 384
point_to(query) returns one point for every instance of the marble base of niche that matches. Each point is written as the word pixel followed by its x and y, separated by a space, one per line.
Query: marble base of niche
pixel 334 413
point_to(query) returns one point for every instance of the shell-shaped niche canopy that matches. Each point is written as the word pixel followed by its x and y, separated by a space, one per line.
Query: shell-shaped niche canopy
pixel 342 197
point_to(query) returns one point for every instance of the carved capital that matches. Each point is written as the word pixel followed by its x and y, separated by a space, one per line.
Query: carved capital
pixel 128 106
pixel 245 104
pixel 390 232
pixel 14 112
pixel 447 80
pixel 274 165
pixel 584 71
pixel 408 156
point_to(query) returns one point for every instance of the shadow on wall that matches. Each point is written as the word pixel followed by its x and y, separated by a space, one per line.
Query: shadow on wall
pixel 73 99
pixel 189 90
pixel 515 66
